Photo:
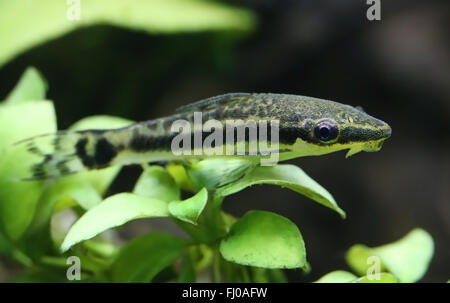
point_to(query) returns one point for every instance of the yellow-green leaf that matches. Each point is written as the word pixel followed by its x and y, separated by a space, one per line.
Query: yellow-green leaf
pixel 264 239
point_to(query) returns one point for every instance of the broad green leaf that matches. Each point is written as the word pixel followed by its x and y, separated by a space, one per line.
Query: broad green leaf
pixel 407 259
pixel 25 24
pixel 218 173
pixel 383 278
pixel 18 199
pixel 156 182
pixel 145 256
pixel 31 86
pixel 190 209
pixel 264 239
pixel 337 276
pixel 102 178
pixel 114 211
pixel 288 176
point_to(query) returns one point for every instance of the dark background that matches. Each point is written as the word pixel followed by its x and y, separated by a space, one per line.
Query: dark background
pixel 397 69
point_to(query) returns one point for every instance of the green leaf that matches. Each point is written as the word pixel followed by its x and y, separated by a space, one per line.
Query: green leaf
pixel 264 239
pixel 63 193
pixel 25 24
pixel 190 209
pixel 31 86
pixel 383 278
pixel 358 258
pixel 337 276
pixel 289 176
pixel 145 256
pixel 100 122
pixel 156 182
pixel 82 192
pixel 102 178
pixel 218 173
pixel 407 259
pixel 114 211
pixel 18 199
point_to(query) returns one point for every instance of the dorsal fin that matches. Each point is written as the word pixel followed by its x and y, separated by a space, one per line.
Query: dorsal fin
pixel 213 102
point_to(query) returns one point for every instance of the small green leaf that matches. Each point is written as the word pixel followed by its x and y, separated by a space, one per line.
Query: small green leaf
pixel 289 176
pixel 102 178
pixel 114 211
pixel 358 258
pixel 407 259
pixel 264 239
pixel 31 86
pixel 337 276
pixel 145 256
pixel 383 278
pixel 190 209
pixel 156 182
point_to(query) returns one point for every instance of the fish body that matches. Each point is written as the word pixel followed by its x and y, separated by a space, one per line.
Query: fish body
pixel 305 126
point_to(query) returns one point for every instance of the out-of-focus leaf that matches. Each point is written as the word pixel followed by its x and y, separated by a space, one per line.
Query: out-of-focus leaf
pixel 190 209
pixel 25 24
pixel 18 199
pixel 7 248
pixel 337 276
pixel 266 240
pixel 20 120
pixel 263 275
pixel 114 211
pixel 179 174
pixel 187 272
pixel 288 176
pixel 63 193
pixel 156 182
pixel 102 178
pixel 31 86
pixel 407 259
pixel 42 275
pixel 383 278
pixel 359 259
pixel 145 256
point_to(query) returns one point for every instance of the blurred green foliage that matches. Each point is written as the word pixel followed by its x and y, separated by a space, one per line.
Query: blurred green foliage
pixel 43 20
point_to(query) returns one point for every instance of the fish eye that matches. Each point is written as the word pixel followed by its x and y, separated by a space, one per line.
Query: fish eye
pixel 326 131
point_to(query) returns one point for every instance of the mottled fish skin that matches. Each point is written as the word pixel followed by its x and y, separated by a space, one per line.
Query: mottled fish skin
pixel 143 142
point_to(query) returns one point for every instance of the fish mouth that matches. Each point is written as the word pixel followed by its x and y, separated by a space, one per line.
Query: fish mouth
pixel 386 131
pixel 383 133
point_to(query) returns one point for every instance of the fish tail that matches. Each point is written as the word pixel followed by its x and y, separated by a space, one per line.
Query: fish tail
pixel 64 153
